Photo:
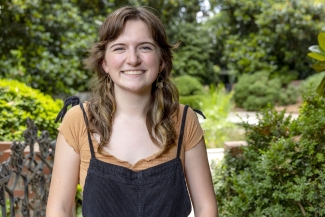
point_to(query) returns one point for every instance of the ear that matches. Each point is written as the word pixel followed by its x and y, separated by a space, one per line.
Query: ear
pixel 162 66
pixel 104 66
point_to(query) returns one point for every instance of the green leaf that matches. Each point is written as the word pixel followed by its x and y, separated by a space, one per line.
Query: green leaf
pixel 319 66
pixel 316 49
pixel 321 88
pixel 321 40
pixel 316 56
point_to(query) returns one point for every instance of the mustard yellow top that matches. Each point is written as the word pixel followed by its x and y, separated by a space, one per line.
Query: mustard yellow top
pixel 74 131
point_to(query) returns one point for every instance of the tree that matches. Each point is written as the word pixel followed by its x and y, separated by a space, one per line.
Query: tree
pixel 270 35
pixel 193 57
pixel 44 42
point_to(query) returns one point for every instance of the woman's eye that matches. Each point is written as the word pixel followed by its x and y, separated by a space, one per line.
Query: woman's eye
pixel 146 48
pixel 118 48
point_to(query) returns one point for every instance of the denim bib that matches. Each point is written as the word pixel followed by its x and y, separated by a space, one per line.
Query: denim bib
pixel 116 191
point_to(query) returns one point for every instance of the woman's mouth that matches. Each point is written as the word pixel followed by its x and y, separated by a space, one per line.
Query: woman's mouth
pixel 137 72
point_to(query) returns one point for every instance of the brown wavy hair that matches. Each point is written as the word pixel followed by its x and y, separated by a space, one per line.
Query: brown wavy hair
pixel 163 103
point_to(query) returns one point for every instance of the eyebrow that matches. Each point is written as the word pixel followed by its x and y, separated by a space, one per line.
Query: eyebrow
pixel 122 44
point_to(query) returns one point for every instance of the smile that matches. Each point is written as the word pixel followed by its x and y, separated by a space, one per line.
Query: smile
pixel 133 72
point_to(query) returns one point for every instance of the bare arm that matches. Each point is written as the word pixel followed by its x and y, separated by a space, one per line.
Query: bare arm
pixel 64 180
pixel 199 181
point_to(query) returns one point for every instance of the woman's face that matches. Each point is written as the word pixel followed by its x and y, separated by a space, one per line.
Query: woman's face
pixel 133 59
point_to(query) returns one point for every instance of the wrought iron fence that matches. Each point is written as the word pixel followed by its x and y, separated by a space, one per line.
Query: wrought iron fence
pixel 25 176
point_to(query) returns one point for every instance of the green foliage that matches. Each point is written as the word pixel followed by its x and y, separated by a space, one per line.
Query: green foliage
pixel 193 57
pixel 281 172
pixel 190 90
pixel 216 105
pixel 188 85
pixel 266 35
pixel 78 201
pixel 256 91
pixel 19 102
pixel 192 101
pixel 44 42
pixel 312 81
pixel 318 53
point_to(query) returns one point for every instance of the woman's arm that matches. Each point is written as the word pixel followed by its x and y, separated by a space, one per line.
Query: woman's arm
pixel 199 181
pixel 64 180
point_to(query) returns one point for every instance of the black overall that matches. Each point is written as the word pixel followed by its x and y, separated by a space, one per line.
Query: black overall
pixel 116 191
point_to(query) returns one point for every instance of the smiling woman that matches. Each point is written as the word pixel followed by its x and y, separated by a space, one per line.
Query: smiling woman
pixel 134 149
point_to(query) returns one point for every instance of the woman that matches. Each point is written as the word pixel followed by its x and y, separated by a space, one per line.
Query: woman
pixel 139 143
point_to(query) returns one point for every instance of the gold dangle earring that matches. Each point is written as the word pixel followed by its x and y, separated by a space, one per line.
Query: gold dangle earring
pixel 108 81
pixel 160 81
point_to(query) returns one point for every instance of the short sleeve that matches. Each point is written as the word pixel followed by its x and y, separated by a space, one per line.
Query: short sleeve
pixel 73 127
pixel 193 131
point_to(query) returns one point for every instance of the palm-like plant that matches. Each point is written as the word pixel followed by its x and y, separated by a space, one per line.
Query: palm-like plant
pixel 318 53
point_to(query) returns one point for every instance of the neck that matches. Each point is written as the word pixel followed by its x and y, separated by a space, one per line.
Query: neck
pixel 131 104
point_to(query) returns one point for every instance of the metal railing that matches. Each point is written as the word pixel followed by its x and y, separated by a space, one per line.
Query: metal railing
pixel 25 176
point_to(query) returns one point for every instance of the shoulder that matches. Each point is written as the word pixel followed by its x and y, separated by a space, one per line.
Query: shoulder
pixel 75 112
pixel 73 127
pixel 191 115
pixel 191 119
pixel 193 132
pixel 74 118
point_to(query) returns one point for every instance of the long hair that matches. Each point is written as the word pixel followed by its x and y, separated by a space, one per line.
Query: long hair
pixel 163 103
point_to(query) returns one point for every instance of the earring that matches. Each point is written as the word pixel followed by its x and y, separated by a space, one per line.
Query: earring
pixel 160 81
pixel 108 81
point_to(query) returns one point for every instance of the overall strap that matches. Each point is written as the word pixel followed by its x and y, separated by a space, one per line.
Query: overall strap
pixel 91 146
pixel 199 112
pixel 72 101
pixel 180 139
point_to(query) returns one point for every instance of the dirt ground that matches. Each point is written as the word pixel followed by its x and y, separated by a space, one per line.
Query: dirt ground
pixel 294 108
pixel 290 108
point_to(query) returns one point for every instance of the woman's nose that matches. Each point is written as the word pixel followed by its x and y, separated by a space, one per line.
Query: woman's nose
pixel 133 58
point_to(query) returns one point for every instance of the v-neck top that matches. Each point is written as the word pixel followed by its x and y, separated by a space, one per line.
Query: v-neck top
pixel 74 130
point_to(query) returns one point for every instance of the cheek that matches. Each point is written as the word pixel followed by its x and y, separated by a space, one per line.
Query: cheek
pixel 153 61
pixel 112 61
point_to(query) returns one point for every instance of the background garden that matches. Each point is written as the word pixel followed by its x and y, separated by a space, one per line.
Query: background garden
pixel 233 55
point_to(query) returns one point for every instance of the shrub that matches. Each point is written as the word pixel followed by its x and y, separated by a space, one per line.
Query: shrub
pixel 256 91
pixel 216 105
pixel 312 81
pixel 18 102
pixel 190 90
pixel 282 170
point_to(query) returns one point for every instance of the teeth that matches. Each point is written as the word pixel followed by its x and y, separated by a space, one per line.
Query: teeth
pixel 133 72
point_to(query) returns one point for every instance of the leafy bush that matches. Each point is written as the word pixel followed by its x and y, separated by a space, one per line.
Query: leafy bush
pixel 216 105
pixel 282 170
pixel 311 82
pixel 256 91
pixel 18 102
pixel 270 35
pixel 46 47
pixel 194 55
pixel 190 90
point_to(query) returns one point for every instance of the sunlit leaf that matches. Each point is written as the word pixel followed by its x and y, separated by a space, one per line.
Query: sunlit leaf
pixel 321 40
pixel 316 56
pixel 321 88
pixel 319 66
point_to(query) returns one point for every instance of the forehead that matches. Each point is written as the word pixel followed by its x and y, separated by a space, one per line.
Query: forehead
pixel 135 30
